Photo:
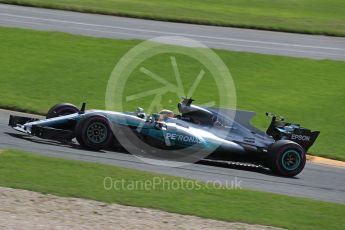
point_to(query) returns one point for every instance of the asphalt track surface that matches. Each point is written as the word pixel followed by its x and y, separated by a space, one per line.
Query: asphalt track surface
pixel 266 42
pixel 316 181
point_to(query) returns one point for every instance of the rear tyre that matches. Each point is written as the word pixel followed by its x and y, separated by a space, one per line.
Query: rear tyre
pixel 93 132
pixel 62 109
pixel 286 158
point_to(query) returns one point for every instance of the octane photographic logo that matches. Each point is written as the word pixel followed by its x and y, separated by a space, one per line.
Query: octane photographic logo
pixel 156 74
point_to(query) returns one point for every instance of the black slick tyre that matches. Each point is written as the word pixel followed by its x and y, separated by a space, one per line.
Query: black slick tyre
pixel 93 132
pixel 61 109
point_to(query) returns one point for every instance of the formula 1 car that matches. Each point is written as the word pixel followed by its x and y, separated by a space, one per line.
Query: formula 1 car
pixel 229 138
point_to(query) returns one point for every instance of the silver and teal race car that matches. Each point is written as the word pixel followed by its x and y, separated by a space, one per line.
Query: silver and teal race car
pixel 196 133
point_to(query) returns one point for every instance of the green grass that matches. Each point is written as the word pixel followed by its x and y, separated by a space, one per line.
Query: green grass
pixel 85 180
pixel 302 16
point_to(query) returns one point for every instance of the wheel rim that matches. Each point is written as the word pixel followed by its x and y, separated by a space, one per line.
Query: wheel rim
pixel 291 159
pixel 97 132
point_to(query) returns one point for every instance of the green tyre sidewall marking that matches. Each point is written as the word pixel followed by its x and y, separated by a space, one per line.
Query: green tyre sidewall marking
pixel 298 160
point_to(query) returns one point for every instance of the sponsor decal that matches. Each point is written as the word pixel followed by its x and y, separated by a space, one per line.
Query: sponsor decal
pixel 300 137
pixel 179 137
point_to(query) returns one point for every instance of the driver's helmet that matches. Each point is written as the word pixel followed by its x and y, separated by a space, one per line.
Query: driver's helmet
pixel 165 113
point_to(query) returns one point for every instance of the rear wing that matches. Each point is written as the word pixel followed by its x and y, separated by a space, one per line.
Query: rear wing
pixel 304 137
pixel 280 129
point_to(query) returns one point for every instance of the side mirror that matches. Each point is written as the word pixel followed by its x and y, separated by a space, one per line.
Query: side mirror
pixel 140 113
pixel 155 116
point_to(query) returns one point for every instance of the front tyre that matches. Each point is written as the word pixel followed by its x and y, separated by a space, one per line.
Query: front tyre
pixel 93 132
pixel 286 158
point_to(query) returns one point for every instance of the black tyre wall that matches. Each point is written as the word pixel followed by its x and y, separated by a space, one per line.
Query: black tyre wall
pixel 61 109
